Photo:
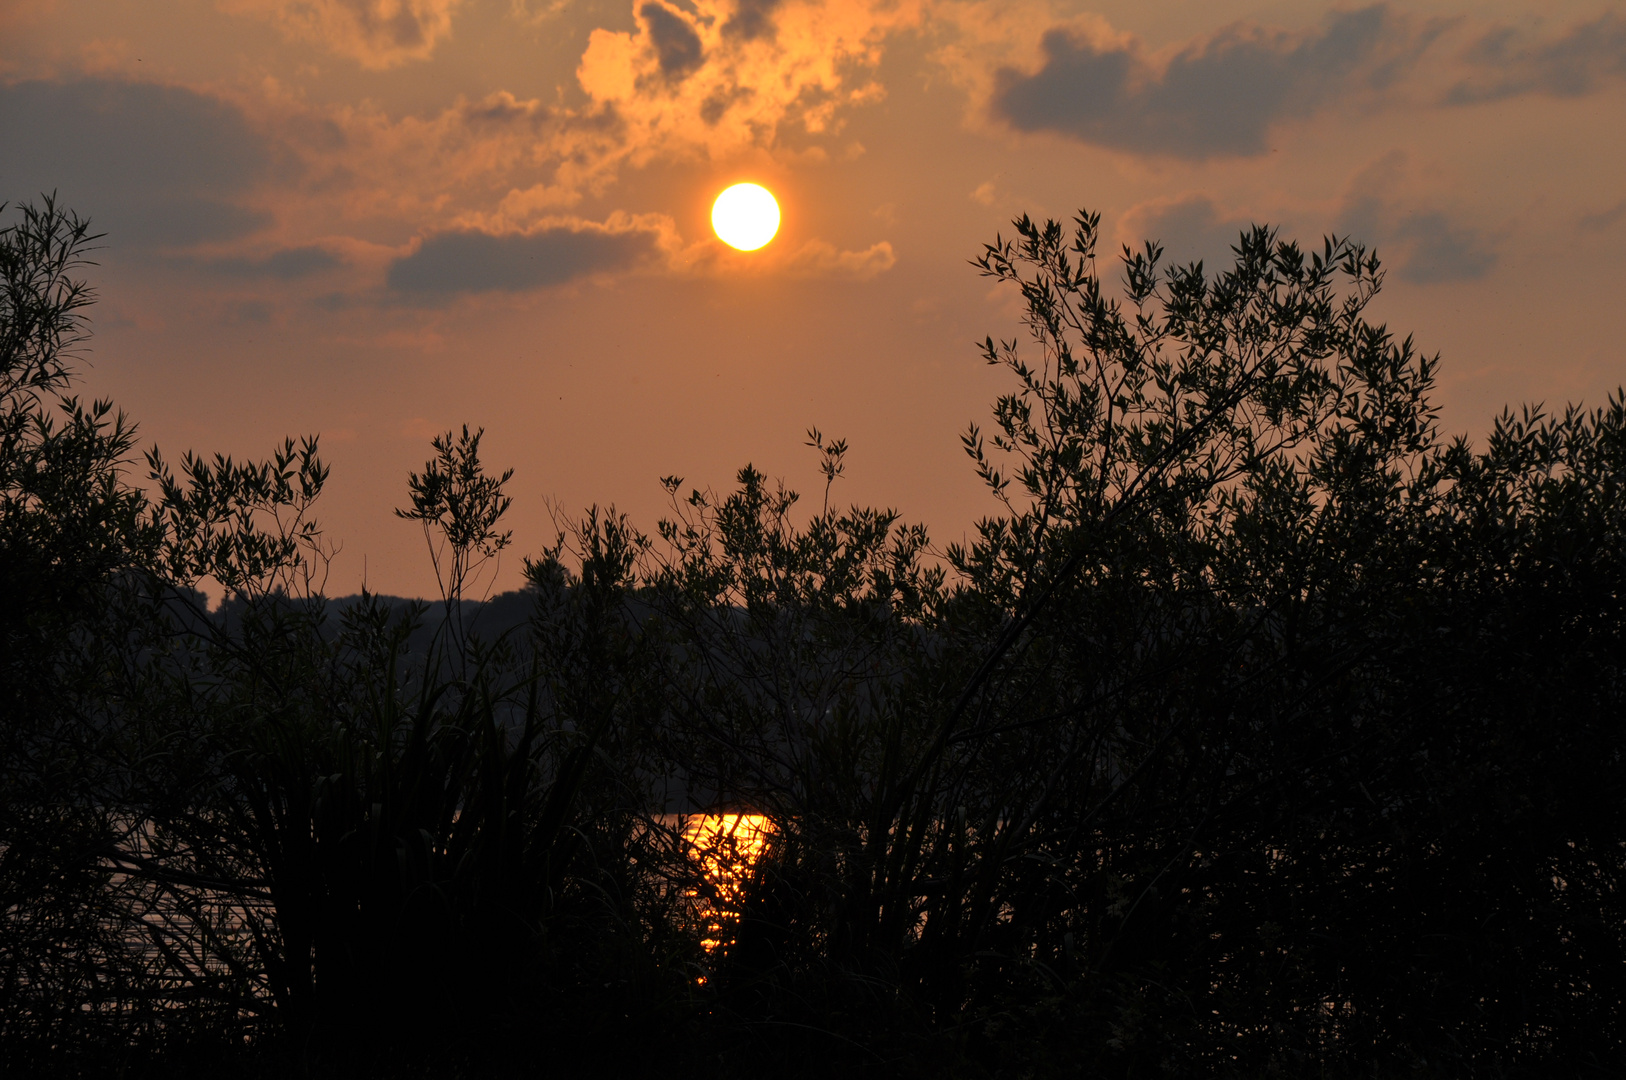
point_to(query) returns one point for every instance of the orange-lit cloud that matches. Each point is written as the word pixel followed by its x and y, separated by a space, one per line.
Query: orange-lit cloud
pixel 815 258
pixel 496 172
pixel 819 258
pixel 497 164
pixel 722 80
pixel 374 33
pixel 727 80
pixel 736 74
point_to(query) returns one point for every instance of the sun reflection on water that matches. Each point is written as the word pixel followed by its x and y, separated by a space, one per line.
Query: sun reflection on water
pixel 725 847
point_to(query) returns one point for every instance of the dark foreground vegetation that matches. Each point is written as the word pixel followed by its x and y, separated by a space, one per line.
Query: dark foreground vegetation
pixel 1259 730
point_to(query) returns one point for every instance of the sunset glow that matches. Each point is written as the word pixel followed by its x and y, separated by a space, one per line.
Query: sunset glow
pixel 828 538
pixel 370 197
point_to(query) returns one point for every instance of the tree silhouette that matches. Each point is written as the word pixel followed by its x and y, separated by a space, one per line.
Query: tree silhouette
pixel 1259 729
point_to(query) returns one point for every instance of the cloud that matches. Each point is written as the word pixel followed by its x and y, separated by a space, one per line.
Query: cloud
pixel 725 76
pixel 251 311
pixel 536 12
pixel 677 46
pixel 1434 247
pixel 820 258
pixel 375 33
pixel 692 80
pixel 1418 240
pixel 470 261
pixel 1506 63
pixel 495 164
pixel 289 264
pixel 1218 95
pixel 1424 243
pixel 752 19
pixel 1602 219
pixel 152 166
pixel 1190 228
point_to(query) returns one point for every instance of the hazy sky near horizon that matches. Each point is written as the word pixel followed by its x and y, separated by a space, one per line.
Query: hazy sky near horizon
pixel 379 219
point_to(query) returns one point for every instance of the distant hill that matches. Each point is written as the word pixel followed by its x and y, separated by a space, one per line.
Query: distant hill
pixel 485 619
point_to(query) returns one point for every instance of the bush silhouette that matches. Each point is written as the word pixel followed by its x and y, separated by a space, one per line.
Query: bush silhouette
pixel 1259 729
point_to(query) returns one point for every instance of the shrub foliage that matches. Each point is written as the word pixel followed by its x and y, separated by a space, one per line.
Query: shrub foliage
pixel 1259 729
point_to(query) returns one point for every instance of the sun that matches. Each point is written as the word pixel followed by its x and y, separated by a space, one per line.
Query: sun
pixel 745 216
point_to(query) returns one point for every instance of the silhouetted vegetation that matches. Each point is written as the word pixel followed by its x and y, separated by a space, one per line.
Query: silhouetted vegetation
pixel 1259 729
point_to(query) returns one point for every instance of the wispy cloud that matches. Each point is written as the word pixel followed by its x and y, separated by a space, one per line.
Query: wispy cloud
pixel 288 264
pixel 1505 62
pixel 1600 220
pixel 820 258
pixel 375 33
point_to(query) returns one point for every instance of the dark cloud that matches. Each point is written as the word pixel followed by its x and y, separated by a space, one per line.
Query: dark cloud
pixel 1602 219
pixel 252 311
pixel 1217 96
pixel 752 19
pixel 1432 245
pixel 288 264
pixel 677 46
pixel 463 262
pixel 1577 62
pixel 502 109
pixel 716 106
pixel 1423 243
pixel 152 166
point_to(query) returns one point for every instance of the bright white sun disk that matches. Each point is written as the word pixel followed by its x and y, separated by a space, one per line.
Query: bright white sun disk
pixel 745 216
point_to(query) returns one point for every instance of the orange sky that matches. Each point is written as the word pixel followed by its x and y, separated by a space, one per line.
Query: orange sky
pixel 377 219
